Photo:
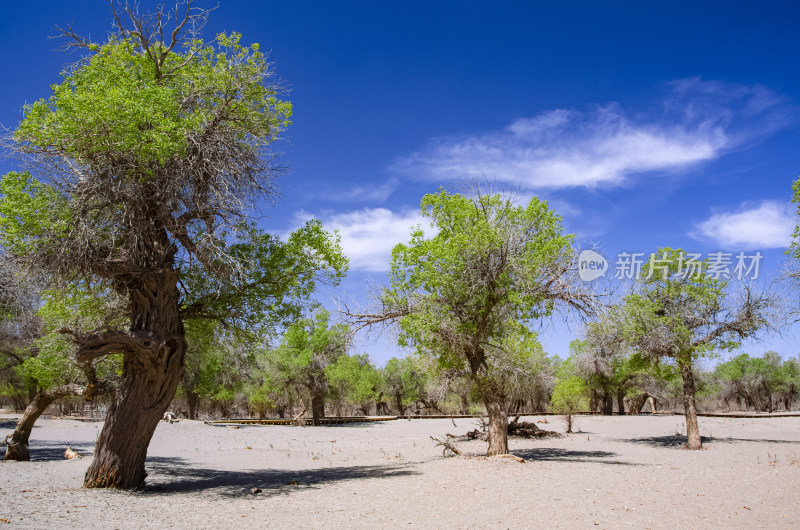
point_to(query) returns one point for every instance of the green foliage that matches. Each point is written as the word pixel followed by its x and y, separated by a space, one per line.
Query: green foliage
pixel 115 102
pixel 30 212
pixel 82 308
pixel 276 281
pixel 570 396
pixel 309 346
pixel 680 313
pixel 405 381
pixel 355 378
pixel 480 272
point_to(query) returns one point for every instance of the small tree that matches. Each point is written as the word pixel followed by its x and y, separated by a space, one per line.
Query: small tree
pixel 491 267
pixel 405 382
pixel 308 348
pixel 684 314
pixel 355 380
pixel 570 397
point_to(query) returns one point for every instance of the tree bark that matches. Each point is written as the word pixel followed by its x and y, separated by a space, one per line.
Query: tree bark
pixel 17 442
pixel 693 440
pixel 636 403
pixel 620 401
pixel 398 400
pixel 317 407
pixel 608 403
pixel 652 402
pixel 192 399
pixel 498 427
pixel 151 374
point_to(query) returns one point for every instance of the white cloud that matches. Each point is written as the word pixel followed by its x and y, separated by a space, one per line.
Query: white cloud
pixel 369 235
pixel 767 225
pixel 368 193
pixel 604 147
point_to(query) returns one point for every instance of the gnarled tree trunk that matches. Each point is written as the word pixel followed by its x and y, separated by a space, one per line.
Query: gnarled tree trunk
pixel 317 407
pixel 153 365
pixel 693 440
pixel 608 403
pixel 498 427
pixel 17 442
pixel 636 403
pixel 620 401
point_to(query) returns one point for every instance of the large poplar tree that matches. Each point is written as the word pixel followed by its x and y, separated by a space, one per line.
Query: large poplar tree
pixel 145 165
pixel 465 293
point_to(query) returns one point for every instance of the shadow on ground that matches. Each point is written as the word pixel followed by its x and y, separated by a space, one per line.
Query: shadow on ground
pixel 51 451
pixel 354 425
pixel 678 440
pixel 175 475
pixel 552 454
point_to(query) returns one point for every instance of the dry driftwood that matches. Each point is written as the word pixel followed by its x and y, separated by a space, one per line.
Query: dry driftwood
pixel 446 446
pixel 527 429
pixel 299 420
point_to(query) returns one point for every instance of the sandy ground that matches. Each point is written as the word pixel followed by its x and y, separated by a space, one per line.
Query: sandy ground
pixel 618 472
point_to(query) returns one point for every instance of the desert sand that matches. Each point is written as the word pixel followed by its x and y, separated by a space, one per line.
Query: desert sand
pixel 618 472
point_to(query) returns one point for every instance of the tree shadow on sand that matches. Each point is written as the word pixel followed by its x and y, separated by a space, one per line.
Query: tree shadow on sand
pixel 552 454
pixel 174 475
pixel 54 450
pixel 679 440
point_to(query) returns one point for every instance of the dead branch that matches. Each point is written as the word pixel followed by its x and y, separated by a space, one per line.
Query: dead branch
pixel 298 420
pixel 446 446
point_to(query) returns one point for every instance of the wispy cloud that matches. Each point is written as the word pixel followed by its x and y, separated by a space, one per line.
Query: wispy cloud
pixel 374 193
pixel 607 146
pixel 369 235
pixel 765 225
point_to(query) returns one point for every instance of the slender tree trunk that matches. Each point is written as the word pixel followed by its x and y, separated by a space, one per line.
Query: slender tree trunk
pixel 317 407
pixel 621 401
pixel 151 374
pixel 192 399
pixel 693 440
pixel 652 402
pixel 17 442
pixel 593 401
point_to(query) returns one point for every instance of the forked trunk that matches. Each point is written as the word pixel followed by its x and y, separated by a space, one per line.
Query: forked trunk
pixel 498 427
pixel 693 440
pixel 17 442
pixel 636 403
pixel 151 373
pixel 317 408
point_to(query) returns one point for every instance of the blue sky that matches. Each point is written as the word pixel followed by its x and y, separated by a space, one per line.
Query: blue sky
pixel 644 124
